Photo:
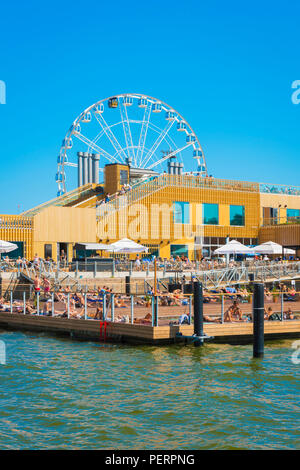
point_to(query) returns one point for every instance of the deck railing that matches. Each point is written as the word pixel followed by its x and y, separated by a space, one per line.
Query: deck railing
pixel 154 184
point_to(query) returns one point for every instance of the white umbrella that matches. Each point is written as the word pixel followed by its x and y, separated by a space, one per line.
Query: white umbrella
pixel 272 248
pixel 6 247
pixel 126 246
pixel 233 248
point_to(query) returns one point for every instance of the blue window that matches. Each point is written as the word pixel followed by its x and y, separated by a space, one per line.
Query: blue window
pixel 210 214
pixel 179 250
pixel 291 213
pixel 237 215
pixel 181 212
pixel 18 251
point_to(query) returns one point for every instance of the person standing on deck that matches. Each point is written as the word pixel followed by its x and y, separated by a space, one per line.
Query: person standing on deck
pixel 46 286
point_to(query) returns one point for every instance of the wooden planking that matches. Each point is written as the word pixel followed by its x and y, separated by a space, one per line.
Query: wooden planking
pixel 140 333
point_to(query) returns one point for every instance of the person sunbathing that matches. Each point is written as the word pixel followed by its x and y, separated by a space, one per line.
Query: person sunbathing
pixel 268 295
pixel 146 320
pixel 120 303
pixel 267 313
pixel 98 315
pixel 123 319
pixel 29 310
pixel 233 313
pixel 73 313
pixel 211 319
pixel 288 315
pixel 79 300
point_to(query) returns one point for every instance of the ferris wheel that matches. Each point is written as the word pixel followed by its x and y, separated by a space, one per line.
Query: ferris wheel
pixel 132 129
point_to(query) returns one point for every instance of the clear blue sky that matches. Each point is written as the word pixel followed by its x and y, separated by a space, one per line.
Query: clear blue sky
pixel 227 67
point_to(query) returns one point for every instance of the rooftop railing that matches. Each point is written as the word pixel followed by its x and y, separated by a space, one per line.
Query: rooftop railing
pixel 279 189
pixel 280 221
pixel 154 184
pixel 61 200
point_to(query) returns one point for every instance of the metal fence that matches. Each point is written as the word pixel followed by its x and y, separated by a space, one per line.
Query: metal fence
pixel 154 310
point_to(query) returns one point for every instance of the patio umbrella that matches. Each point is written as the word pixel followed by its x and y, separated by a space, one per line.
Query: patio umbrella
pixel 126 246
pixel 233 248
pixel 272 248
pixel 6 247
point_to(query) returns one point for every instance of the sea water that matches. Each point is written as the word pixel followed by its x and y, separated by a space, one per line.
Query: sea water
pixel 64 394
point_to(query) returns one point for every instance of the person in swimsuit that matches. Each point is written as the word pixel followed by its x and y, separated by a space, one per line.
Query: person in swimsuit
pixel 46 285
pixel 37 284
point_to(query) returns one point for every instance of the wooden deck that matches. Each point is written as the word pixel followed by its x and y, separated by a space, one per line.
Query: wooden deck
pixel 144 334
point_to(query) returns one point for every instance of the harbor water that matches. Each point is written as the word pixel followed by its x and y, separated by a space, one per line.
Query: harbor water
pixel 56 393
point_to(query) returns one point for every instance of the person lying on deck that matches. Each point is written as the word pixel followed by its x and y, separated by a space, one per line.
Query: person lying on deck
pixel 47 309
pixel 73 313
pixel 288 315
pixel 29 310
pixel 123 319
pixel 16 306
pixel 146 320
pixel 119 302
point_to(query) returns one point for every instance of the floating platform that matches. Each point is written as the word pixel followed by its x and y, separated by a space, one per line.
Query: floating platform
pixel 95 330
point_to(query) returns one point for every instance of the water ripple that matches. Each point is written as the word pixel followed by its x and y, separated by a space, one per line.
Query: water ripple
pixel 61 394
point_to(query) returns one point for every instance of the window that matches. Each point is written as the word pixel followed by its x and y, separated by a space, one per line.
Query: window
pixel 292 213
pixel 237 215
pixel 123 177
pixel 181 212
pixel 47 251
pixel 210 214
pixel 18 251
pixel 274 215
pixel 179 250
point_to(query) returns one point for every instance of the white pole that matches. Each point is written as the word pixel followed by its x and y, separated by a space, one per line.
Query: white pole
pixel 85 306
pixel 68 304
pixel 112 299
pixel 131 308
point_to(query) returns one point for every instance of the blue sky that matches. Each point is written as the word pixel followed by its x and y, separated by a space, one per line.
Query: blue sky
pixel 227 67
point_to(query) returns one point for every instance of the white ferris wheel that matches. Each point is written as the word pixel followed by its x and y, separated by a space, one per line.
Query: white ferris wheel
pixel 133 129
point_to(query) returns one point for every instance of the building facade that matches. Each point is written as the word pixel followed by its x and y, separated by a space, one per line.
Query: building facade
pixel 171 214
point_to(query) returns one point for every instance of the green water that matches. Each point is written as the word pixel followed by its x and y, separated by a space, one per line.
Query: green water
pixel 62 394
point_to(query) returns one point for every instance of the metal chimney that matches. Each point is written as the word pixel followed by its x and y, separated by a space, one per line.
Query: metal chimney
pixel 95 169
pixel 79 168
pixel 90 168
pixel 85 168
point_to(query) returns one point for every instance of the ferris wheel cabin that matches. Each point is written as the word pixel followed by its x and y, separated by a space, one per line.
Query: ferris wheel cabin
pixel 113 102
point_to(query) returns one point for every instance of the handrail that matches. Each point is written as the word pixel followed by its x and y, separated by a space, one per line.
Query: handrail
pixel 156 183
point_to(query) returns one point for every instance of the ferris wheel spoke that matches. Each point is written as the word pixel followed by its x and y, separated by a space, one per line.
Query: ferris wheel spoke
pixel 171 154
pixel 143 134
pixel 158 141
pixel 127 131
pixel 110 135
pixel 94 146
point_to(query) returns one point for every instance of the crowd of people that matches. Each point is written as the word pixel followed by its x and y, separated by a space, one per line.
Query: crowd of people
pixel 75 304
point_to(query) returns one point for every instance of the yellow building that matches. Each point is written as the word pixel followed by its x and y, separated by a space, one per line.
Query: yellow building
pixel 171 214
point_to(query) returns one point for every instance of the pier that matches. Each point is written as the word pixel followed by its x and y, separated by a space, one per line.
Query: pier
pixel 95 330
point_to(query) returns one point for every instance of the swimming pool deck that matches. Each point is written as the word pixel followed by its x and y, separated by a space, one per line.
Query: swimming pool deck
pixel 144 334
